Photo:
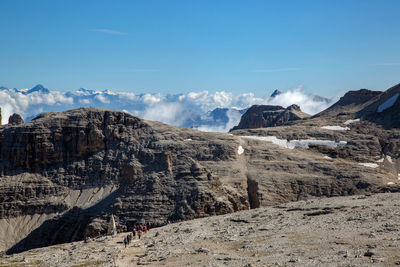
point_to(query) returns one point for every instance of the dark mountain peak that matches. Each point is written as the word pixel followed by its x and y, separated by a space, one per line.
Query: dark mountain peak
pixel 294 107
pixel 275 93
pixel 38 88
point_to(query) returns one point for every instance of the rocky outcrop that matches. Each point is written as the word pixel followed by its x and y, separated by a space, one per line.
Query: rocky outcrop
pixel 82 165
pixel 15 119
pixel 350 103
pixel 384 110
pixel 259 116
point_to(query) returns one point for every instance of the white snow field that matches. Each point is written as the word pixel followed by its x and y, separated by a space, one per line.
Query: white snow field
pixel 335 128
pixel 351 121
pixel 305 143
pixel 388 103
pixel 369 165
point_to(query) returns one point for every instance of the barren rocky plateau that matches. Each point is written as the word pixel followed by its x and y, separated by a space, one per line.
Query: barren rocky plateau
pixel 360 230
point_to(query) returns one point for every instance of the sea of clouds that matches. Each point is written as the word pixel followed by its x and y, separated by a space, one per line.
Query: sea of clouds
pixel 194 110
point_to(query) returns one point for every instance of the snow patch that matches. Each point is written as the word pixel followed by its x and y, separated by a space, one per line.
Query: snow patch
pixel 389 158
pixel 272 139
pixel 335 128
pixel 369 165
pixel 188 139
pixel 380 160
pixel 351 121
pixel 327 157
pixel 240 150
pixel 305 143
pixel 398 176
pixel 388 103
pixel 390 183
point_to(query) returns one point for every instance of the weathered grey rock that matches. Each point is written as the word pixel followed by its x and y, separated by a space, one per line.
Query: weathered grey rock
pixel 259 116
pixel 15 119
pixel 73 169
pixel 384 109
pixel 83 165
pixel 350 103
pixel 343 231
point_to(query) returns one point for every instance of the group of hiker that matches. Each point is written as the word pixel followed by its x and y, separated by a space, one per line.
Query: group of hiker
pixel 137 230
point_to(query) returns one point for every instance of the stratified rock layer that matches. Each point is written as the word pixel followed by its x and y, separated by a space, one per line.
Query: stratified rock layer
pixel 86 164
pixel 63 174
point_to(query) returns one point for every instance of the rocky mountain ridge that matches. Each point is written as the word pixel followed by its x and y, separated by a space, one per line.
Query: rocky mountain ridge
pixel 260 116
pixel 63 174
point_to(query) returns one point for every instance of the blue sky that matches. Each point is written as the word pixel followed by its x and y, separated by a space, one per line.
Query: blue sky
pixel 179 46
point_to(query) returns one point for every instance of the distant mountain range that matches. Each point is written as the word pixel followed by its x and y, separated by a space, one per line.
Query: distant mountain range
pixel 203 110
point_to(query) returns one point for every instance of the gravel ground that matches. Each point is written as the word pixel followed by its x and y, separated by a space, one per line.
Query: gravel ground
pixel 341 231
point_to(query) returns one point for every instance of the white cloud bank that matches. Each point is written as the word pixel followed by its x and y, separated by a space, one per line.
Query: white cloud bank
pixel 194 109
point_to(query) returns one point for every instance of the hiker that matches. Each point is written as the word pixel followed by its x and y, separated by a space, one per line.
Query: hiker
pixel 139 233
pixel 125 241
pixel 131 236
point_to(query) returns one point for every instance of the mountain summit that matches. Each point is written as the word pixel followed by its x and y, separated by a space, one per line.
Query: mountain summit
pixel 38 88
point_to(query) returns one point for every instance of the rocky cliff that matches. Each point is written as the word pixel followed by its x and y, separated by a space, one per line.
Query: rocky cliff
pixel 259 116
pixel 63 174
pixel 80 166
pixel 384 109
pixel 350 103
pixel 15 119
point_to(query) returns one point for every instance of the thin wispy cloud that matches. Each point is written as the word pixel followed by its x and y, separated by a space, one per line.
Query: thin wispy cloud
pixel 276 70
pixel 143 70
pixel 108 31
pixel 386 64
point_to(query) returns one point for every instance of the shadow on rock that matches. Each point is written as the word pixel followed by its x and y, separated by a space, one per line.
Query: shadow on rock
pixel 68 227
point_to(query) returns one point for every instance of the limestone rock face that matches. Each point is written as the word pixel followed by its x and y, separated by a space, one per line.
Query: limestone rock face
pixel 351 102
pixel 82 165
pixel 63 174
pixel 15 119
pixel 385 109
pixel 259 116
